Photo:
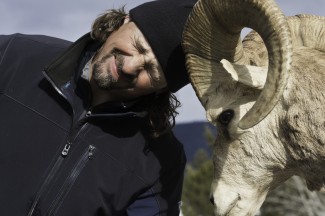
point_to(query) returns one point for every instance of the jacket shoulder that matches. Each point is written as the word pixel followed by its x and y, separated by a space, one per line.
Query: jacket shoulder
pixel 43 39
pixel 21 46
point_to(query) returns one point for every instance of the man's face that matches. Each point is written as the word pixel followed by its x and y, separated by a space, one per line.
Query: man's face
pixel 126 66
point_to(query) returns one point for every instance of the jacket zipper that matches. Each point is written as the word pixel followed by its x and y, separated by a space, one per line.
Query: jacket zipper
pixel 45 184
pixel 88 155
pixel 49 178
pixel 54 170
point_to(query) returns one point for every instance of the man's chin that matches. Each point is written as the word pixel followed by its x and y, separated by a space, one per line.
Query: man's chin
pixel 104 85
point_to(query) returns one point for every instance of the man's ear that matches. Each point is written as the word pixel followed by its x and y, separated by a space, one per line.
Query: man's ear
pixel 127 19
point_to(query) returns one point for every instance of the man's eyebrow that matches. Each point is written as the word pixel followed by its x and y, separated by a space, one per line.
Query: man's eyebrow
pixel 138 45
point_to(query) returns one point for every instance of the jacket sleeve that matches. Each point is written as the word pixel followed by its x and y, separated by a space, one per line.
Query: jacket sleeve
pixel 164 203
pixel 164 197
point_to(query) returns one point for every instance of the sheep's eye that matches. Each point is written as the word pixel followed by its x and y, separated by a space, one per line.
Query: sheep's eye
pixel 226 116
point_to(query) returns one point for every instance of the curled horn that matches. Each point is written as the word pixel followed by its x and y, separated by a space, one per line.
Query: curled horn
pixel 212 33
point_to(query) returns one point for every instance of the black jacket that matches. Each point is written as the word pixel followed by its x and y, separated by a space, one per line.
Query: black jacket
pixel 59 157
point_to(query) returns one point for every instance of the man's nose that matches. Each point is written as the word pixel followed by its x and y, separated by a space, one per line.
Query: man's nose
pixel 132 65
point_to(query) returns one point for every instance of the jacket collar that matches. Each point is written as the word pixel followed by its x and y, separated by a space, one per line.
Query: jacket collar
pixel 63 69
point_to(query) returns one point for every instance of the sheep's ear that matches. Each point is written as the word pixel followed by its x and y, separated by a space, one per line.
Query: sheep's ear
pixel 252 76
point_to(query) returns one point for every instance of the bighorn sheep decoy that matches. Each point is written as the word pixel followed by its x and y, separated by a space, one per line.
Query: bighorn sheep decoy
pixel 265 96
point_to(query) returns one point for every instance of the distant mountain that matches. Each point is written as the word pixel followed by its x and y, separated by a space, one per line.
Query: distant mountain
pixel 192 135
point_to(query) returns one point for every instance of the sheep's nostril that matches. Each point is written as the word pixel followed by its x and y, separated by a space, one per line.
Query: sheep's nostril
pixel 212 200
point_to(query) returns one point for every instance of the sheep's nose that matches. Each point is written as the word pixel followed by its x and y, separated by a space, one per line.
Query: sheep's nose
pixel 212 200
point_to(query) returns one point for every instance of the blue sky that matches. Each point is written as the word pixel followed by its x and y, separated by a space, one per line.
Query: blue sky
pixel 71 19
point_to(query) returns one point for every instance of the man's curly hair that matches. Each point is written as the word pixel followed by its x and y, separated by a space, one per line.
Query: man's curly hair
pixel 162 106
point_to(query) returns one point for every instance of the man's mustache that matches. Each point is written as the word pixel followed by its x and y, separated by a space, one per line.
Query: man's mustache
pixel 119 61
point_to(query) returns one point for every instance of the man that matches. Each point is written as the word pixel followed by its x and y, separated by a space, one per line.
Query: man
pixel 91 134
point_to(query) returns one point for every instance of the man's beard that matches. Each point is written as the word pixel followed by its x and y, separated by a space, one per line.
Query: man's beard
pixel 102 76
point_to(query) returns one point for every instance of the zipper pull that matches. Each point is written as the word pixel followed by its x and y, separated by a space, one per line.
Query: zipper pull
pixel 89 112
pixel 91 151
pixel 66 149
